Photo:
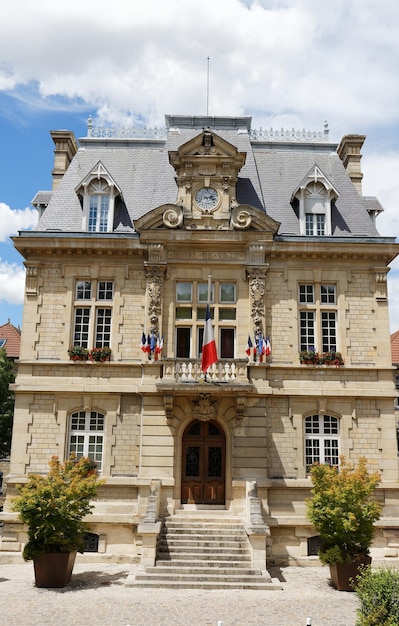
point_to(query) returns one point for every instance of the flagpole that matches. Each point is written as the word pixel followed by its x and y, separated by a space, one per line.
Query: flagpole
pixel 209 287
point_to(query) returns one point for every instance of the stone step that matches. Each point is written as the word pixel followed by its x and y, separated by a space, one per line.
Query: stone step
pixel 195 570
pixel 214 534
pixel 204 584
pixel 198 547
pixel 195 562
pixel 220 577
pixel 207 552
pixel 204 527
pixel 194 540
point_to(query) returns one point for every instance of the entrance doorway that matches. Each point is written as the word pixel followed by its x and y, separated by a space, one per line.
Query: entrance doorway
pixel 203 460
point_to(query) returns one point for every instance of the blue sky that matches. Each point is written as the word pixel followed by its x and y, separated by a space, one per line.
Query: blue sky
pixel 286 63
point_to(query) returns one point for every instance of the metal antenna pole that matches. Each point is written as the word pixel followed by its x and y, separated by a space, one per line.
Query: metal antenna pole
pixel 207 88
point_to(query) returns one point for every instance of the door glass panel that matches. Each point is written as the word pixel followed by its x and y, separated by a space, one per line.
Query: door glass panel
pixel 192 461
pixel 213 429
pixel 215 461
pixel 183 343
pixel 195 429
pixel 227 343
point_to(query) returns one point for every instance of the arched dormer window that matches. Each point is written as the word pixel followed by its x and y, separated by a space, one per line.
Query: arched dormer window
pixel 315 196
pixel 98 191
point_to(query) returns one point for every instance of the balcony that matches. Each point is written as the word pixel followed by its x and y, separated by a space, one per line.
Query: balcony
pixel 226 372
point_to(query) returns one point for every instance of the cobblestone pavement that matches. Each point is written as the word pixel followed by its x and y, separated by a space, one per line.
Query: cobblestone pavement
pixel 96 596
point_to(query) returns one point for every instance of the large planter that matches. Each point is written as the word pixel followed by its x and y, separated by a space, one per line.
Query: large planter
pixel 342 573
pixel 54 570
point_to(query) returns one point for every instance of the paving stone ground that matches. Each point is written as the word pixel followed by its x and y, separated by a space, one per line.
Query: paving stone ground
pixel 96 596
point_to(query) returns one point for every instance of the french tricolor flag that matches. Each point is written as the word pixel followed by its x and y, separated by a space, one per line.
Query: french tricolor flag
pixel 249 346
pixel 209 354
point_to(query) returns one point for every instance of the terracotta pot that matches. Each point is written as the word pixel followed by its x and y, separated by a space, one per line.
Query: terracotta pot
pixel 342 573
pixel 54 570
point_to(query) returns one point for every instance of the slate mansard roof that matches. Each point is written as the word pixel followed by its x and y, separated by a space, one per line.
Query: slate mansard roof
pixel 272 172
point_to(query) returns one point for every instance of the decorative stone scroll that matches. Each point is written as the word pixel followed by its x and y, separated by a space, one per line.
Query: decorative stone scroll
pixel 168 404
pixel 254 508
pixel 155 276
pixel 381 286
pixel 240 410
pixel 31 280
pixel 204 409
pixel 173 217
pixel 256 278
pixel 151 514
pixel 240 218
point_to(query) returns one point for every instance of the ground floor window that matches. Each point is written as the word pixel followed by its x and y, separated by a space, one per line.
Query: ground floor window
pixel 321 440
pixel 86 435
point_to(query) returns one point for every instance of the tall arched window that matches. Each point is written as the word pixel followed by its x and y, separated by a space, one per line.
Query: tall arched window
pixel 86 435
pixel 321 440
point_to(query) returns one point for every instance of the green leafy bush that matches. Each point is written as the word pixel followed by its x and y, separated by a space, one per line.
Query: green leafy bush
pixel 378 593
pixel 343 509
pixel 53 506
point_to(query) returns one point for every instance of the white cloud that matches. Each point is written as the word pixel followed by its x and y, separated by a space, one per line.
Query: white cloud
pixel 12 281
pixel 11 221
pixel 147 58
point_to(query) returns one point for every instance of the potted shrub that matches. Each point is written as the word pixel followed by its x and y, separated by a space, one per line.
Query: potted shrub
pixel 78 353
pixel 53 507
pixel 343 510
pixel 100 354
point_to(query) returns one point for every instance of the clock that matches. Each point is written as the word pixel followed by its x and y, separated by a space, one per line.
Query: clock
pixel 207 198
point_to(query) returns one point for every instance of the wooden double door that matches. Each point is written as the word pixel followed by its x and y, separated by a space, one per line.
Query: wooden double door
pixel 203 460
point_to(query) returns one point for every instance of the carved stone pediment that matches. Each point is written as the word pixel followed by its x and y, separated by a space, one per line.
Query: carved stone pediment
pixel 214 152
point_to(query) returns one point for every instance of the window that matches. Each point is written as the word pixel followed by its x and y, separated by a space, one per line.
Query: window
pixel 321 440
pixel 86 435
pixel 315 197
pixel 191 301
pixel 92 320
pixel 98 192
pixel 98 213
pixel 317 317
pixel 315 224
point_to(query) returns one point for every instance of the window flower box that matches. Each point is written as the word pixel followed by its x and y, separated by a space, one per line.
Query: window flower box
pixel 309 357
pixel 78 353
pixel 332 358
pixel 100 354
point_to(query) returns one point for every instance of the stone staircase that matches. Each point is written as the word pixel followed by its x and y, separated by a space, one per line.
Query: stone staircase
pixel 207 552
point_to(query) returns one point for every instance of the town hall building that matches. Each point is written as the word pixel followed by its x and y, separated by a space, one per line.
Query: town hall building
pixel 142 230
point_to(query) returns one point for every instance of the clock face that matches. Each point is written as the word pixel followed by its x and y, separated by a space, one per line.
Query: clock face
pixel 207 198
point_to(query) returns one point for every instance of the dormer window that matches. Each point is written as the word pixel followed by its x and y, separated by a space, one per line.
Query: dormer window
pixel 315 196
pixel 99 202
pixel 98 191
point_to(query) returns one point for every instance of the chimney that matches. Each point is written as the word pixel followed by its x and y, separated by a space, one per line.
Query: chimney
pixel 349 153
pixel 66 147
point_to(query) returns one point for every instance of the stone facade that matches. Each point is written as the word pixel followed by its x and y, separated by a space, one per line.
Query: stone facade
pixel 147 273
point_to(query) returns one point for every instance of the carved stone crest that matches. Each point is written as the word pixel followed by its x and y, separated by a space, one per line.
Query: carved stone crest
pixel 204 409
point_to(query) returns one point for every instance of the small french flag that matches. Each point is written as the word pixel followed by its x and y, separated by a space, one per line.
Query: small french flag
pixel 249 346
